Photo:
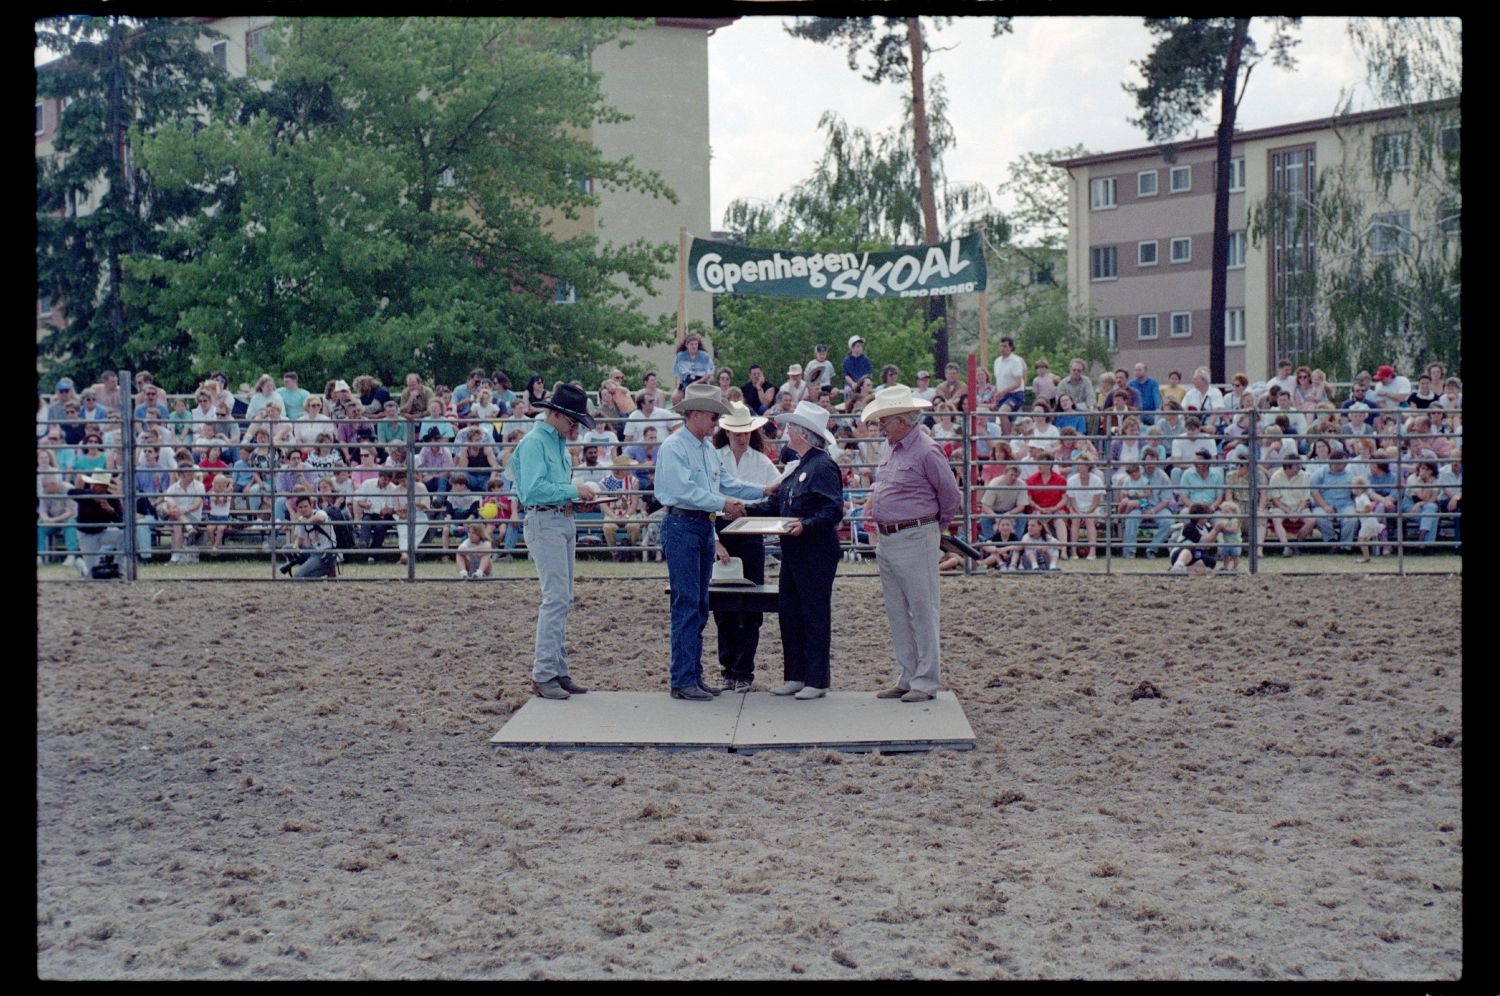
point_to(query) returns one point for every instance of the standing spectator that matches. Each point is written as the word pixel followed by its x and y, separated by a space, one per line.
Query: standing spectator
pixel 1390 389
pixel 1122 383
pixel 856 364
pixel 1044 386
pixel 819 372
pixel 292 396
pixel 1010 376
pixel 64 394
pixel 692 363
pixel 1149 392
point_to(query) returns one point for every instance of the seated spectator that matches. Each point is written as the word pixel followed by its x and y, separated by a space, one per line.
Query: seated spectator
pixel 1197 553
pixel 476 554
pixel 1173 390
pixel 1390 389
pixel 692 362
pixel 56 513
pixel 1068 417
pixel 1044 386
pixel 107 392
pixel 1453 395
pixel 1202 483
pixel 795 386
pixel 1085 505
pixel 416 397
pixel 182 506
pixel 1039 548
pixel 1004 549
pixel 1045 491
pixel 1237 490
pixel 435 420
pixel 1333 494
pixel 952 387
pixel 1203 396
pixel 313 536
pixel 924 389
pixel 1420 500
pixel 1145 493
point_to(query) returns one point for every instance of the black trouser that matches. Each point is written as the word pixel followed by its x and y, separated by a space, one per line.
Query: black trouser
pixel 805 602
pixel 739 632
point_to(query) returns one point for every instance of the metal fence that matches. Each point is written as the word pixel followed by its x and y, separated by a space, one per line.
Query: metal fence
pixel 1129 499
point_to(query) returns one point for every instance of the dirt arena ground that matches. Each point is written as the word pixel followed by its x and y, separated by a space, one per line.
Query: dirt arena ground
pixel 1226 778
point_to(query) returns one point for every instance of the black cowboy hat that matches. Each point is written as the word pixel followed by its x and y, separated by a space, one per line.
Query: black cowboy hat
pixel 572 402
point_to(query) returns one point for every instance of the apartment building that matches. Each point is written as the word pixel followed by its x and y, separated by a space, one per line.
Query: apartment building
pixel 1140 243
pixel 660 80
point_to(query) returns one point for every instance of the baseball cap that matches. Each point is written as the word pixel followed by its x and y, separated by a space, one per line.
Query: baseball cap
pixel 1384 372
pixel 65 384
pixel 924 373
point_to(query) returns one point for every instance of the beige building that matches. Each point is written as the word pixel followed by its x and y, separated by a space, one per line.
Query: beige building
pixel 660 80
pixel 1140 242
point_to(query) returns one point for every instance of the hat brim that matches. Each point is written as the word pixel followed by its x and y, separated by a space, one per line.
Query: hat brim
pixel 701 405
pixel 583 418
pixel 756 421
pixel 792 418
pixel 874 411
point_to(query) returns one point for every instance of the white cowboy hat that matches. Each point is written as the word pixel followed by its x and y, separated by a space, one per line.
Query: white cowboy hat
pixel 893 399
pixel 740 419
pixel 102 477
pixel 730 573
pixel 701 398
pixel 811 416
pixel 855 338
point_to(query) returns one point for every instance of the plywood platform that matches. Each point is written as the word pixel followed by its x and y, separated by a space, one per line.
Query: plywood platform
pixel 850 721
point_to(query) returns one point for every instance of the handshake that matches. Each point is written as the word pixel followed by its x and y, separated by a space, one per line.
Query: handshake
pixel 732 509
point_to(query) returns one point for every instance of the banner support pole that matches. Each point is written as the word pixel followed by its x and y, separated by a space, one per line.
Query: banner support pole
pixel 682 258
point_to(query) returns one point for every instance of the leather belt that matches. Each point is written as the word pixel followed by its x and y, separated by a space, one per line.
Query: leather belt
pixel 564 509
pixel 886 528
pixel 691 513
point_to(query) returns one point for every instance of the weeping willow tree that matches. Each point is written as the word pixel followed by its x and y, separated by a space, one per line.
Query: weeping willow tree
pixel 1383 220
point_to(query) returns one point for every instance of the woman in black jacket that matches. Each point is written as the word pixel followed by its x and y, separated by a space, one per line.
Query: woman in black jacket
pixel 812 494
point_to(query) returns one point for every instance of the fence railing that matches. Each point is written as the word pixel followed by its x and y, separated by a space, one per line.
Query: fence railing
pixel 1121 486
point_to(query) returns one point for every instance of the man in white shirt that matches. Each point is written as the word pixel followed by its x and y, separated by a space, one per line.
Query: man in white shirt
pixel 646 415
pixel 589 468
pixel 1284 378
pixel 1202 396
pixel 1010 376
pixel 924 389
pixel 1391 391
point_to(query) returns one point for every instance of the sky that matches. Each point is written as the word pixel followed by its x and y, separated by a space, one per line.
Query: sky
pixel 1053 82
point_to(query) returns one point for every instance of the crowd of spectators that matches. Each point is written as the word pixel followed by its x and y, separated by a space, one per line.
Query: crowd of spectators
pixel 1059 464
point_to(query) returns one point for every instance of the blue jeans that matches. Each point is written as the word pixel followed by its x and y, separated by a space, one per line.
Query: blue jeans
pixel 1345 523
pixel 1427 518
pixel 1131 526
pixel 689 546
pixel 44 536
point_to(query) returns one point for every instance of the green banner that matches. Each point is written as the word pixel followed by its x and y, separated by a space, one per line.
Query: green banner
pixel 954 267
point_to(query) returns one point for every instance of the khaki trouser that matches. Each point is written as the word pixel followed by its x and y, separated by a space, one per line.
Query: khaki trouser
pixel 909 581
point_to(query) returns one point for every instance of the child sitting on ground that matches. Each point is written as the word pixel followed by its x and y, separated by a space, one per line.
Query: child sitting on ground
pixel 1039 551
pixel 1004 549
pixel 475 554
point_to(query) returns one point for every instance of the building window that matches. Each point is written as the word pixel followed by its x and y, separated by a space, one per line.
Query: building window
pixel 41 118
pixel 1393 152
pixel 1145 327
pixel 1145 253
pixel 1450 215
pixel 1390 233
pixel 1182 249
pixel 255 46
pixel 221 54
pixel 1234 327
pixel 1182 324
pixel 564 293
pixel 1103 263
pixel 1108 329
pixel 1293 321
pixel 1102 193
pixel 1238 243
pixel 1181 179
pixel 1448 137
pixel 446 179
pixel 1145 183
pixel 44 306
pixel 1237 175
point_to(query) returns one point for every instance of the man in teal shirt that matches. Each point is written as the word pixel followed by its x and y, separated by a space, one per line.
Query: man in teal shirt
pixel 544 486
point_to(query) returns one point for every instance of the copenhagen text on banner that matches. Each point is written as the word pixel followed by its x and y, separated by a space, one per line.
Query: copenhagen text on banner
pixel 953 267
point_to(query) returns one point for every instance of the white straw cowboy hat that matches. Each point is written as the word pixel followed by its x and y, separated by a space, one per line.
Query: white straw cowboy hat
pixel 893 399
pixel 740 419
pixel 702 398
pixel 102 477
pixel 730 573
pixel 811 416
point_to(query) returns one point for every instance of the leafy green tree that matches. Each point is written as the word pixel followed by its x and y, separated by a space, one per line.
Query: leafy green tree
pixel 1195 61
pixel 897 49
pixel 96 203
pixel 402 201
pixel 1386 293
pixel 862 195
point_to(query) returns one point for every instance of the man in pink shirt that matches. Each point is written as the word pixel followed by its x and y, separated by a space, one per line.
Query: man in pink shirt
pixel 913 498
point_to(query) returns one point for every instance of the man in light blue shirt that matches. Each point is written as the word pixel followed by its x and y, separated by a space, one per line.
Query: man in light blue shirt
pixel 691 485
pixel 545 489
pixel 292 396
pixel 1202 484
pixel 1333 494
pixel 1150 392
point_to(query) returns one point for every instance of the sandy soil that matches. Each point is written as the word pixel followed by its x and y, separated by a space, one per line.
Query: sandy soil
pixel 294 781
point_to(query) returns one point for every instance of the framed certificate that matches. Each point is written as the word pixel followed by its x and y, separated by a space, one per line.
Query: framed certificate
pixel 764 525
